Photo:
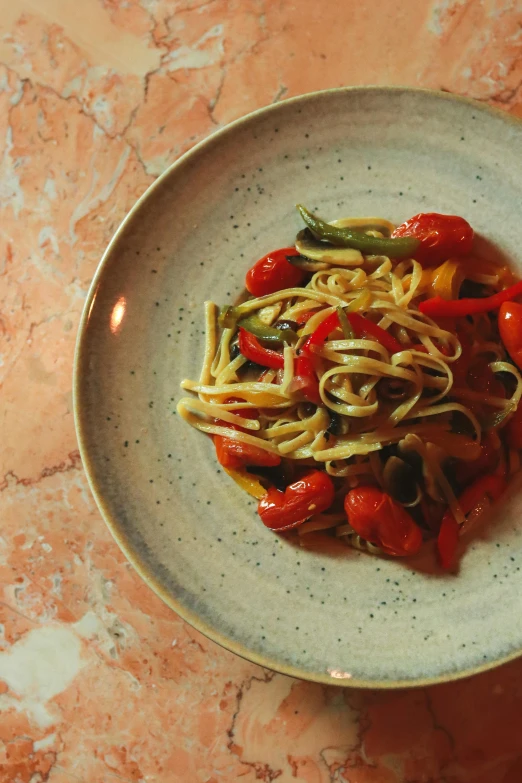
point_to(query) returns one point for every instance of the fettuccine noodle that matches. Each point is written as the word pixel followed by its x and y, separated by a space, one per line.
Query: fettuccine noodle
pixel 372 402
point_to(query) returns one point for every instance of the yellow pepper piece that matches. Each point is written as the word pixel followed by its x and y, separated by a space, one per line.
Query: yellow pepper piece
pixel 444 280
pixel 247 482
pixel 447 279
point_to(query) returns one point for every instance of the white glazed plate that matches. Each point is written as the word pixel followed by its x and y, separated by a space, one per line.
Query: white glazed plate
pixel 195 538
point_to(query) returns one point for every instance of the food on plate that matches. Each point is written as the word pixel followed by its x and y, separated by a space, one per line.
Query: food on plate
pixel 369 385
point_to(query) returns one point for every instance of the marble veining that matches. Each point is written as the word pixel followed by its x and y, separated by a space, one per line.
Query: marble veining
pixel 99 681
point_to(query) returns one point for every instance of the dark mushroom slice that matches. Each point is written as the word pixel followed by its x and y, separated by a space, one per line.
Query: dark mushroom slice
pixel 234 350
pixel 400 480
pixel 338 423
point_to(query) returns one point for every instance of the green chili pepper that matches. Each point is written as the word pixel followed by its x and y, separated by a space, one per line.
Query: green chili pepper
pixel 401 247
pixel 228 317
pixel 254 325
pixel 345 324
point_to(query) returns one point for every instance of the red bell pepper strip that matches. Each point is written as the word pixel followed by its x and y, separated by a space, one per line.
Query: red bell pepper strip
pixel 234 454
pixel 363 327
pixel 491 486
pixel 252 349
pixel 317 338
pixel 438 307
pixel 312 494
pixel 447 540
pixel 305 379
pixel 302 318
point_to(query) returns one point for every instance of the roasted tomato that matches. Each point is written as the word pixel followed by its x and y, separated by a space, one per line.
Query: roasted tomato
pixel 273 273
pixel 311 495
pixel 379 519
pixel 440 236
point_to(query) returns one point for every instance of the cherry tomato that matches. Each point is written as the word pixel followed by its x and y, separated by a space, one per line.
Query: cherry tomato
pixel 441 236
pixel 510 328
pixel 448 539
pixel 514 429
pixel 312 494
pixel 382 521
pixel 234 454
pixel 273 273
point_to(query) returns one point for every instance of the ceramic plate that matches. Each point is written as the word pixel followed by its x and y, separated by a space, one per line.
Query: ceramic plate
pixel 195 538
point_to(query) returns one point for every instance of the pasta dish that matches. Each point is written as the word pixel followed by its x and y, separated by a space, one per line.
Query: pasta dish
pixel 369 385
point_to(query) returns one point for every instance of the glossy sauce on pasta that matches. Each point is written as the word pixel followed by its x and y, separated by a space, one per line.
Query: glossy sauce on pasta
pixel 348 374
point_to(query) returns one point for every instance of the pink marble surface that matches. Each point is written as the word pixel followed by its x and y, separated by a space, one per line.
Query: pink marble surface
pixel 99 681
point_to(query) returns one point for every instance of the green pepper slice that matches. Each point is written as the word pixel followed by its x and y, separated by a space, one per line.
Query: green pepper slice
pixel 228 317
pixel 254 325
pixel 348 332
pixel 401 247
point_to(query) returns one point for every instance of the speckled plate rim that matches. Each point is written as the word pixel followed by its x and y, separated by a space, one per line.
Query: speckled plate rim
pixel 113 524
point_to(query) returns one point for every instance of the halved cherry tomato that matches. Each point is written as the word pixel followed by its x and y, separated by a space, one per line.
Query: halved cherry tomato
pixel 382 521
pixel 273 273
pixel 312 494
pixel 305 380
pixel 234 454
pixel 510 328
pixel 440 236
pixel 514 429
